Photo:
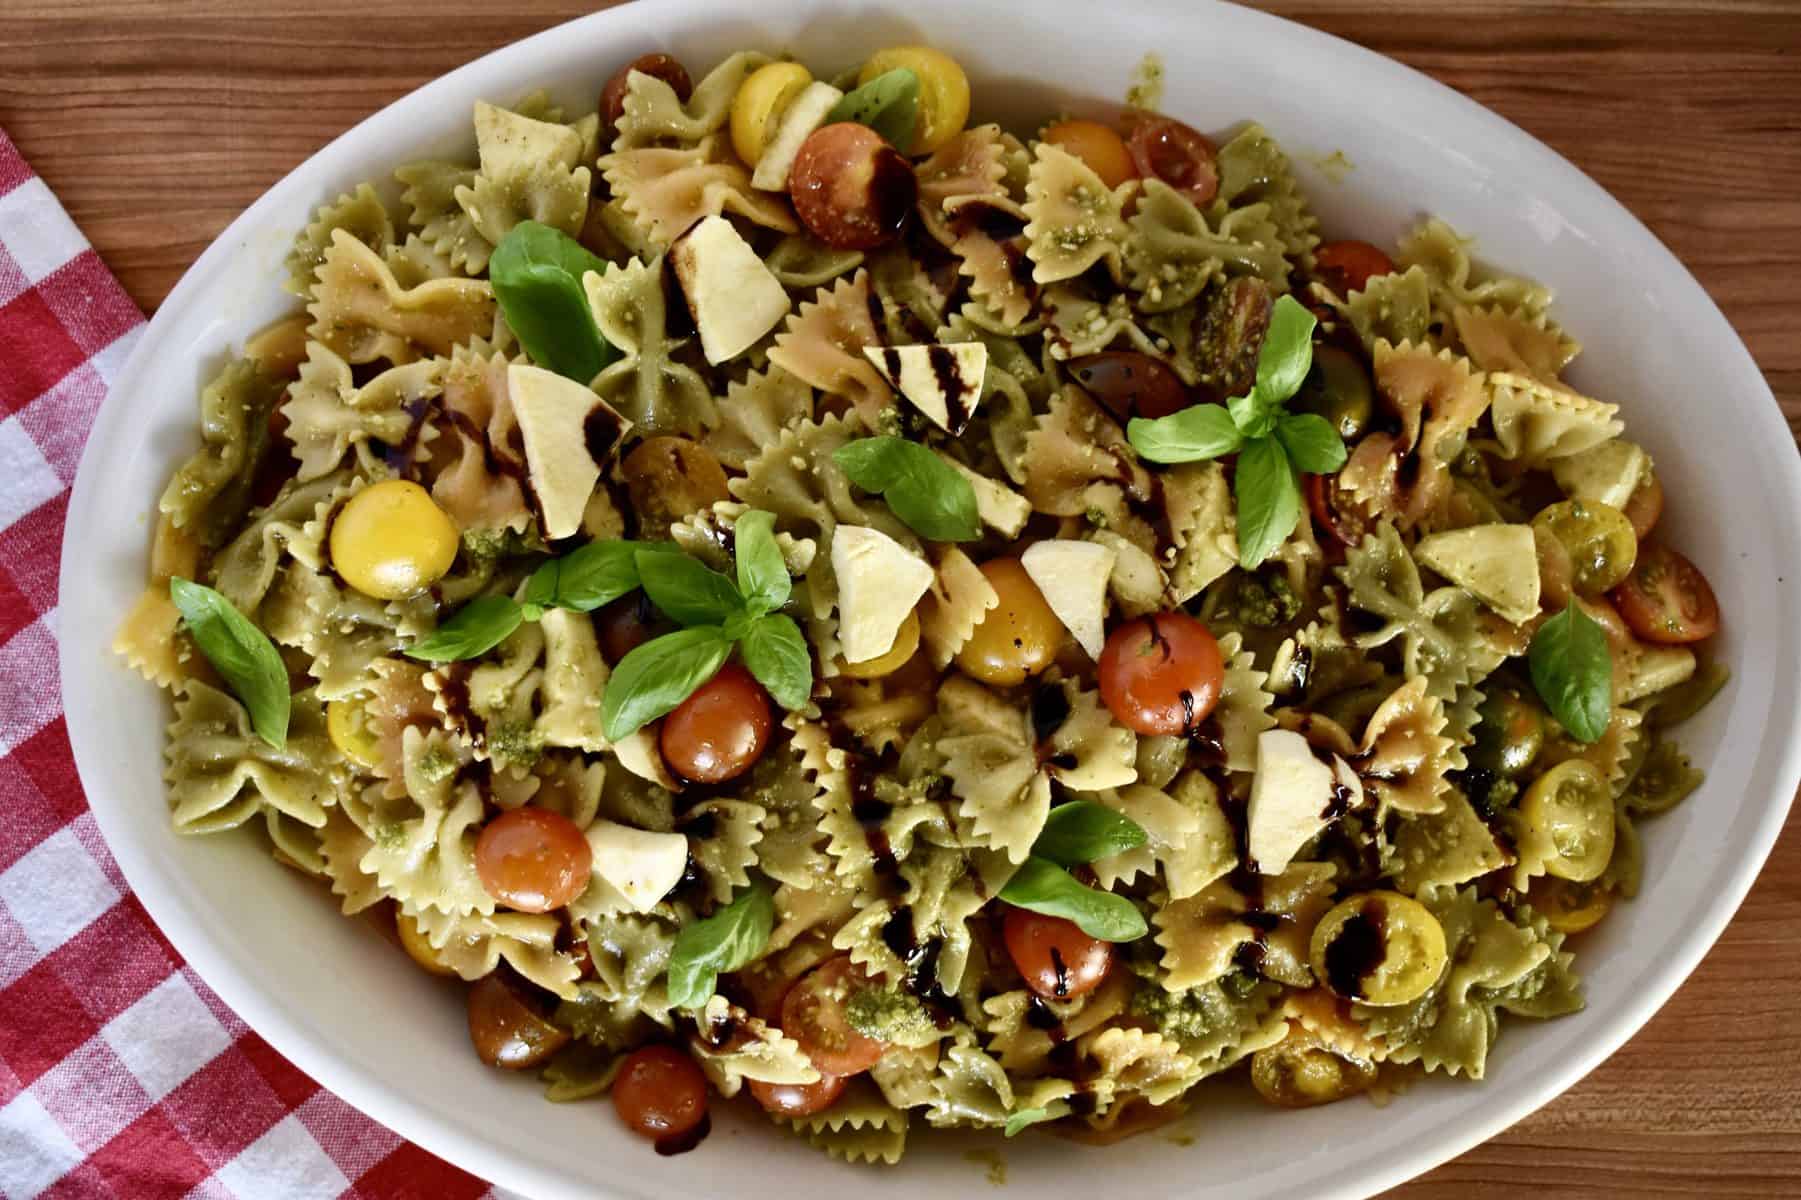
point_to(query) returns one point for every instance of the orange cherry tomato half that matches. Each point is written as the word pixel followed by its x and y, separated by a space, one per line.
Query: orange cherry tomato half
pixel 1129 384
pixel 799 1099
pixel 1666 598
pixel 671 72
pixel 1054 957
pixel 1161 674
pixel 813 1014
pixel 1645 506
pixel 660 1092
pixel 1349 266
pixel 507 1024
pixel 1178 155
pixel 1097 145
pixel 533 860
pixel 851 189
pixel 720 731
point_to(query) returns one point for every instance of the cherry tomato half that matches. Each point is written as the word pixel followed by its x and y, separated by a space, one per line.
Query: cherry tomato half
pixel 671 72
pixel 1348 266
pixel 1055 958
pixel 506 1024
pixel 720 731
pixel 813 1014
pixel 1098 146
pixel 660 1092
pixel 1161 674
pixel 533 860
pixel 1334 512
pixel 1019 636
pixel 851 189
pixel 1178 155
pixel 627 623
pixel 1129 384
pixel 1644 506
pixel 799 1099
pixel 1666 598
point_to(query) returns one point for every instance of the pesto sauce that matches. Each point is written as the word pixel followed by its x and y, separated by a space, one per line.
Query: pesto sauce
pixel 1146 88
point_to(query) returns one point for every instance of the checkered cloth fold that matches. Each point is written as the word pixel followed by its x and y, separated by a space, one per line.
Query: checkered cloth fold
pixel 121 1073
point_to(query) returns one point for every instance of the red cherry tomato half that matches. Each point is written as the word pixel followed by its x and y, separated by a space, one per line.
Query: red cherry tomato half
pixel 671 72
pixel 660 1092
pixel 1645 506
pixel 1054 957
pixel 1349 266
pixel 720 731
pixel 813 1014
pixel 850 188
pixel 1129 384
pixel 1666 598
pixel 508 1024
pixel 1178 155
pixel 1334 512
pixel 799 1099
pixel 533 860
pixel 1161 674
pixel 625 624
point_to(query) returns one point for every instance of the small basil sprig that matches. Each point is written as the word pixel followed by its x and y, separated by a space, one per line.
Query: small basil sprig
pixel 1271 443
pixel 537 276
pixel 923 490
pixel 1573 672
pixel 722 942
pixel 242 654
pixel 888 104
pixel 1079 832
pixel 720 613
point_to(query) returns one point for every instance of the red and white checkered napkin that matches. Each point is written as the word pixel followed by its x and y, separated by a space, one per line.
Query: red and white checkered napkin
pixel 121 1074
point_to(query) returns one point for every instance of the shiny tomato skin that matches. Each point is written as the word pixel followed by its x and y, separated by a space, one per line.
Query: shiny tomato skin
pixel 1666 599
pixel 627 623
pixel 813 1014
pixel 671 72
pixel 1348 266
pixel 1645 506
pixel 799 1099
pixel 1178 155
pixel 720 731
pixel 506 1026
pixel 1129 384
pixel 851 189
pixel 1161 674
pixel 660 1092
pixel 533 860
pixel 1101 149
pixel 1054 957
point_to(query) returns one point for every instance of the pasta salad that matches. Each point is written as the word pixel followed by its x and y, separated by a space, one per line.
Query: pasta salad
pixel 778 589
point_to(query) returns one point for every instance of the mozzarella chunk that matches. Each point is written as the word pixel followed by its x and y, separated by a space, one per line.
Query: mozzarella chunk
pixel 569 433
pixel 1609 473
pixel 806 112
pixel 638 754
pixel 734 298
pixel 879 582
pixel 1000 507
pixel 640 865
pixel 1073 577
pixel 1497 564
pixel 1291 793
pixel 943 382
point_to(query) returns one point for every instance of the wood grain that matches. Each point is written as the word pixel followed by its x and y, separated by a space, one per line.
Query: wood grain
pixel 156 124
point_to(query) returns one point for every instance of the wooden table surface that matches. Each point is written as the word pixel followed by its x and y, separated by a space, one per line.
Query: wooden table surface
pixel 157 123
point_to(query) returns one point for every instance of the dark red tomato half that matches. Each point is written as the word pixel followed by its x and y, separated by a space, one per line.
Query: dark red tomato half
pixel 660 1092
pixel 851 189
pixel 671 72
pixel 720 731
pixel 1348 266
pixel 1129 384
pixel 1178 155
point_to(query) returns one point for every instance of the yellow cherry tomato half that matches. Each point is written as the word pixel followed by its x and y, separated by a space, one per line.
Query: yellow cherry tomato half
pixel 1018 637
pixel 758 107
pixel 419 948
pixel 1570 907
pixel 347 724
pixel 391 540
pixel 906 642
pixel 1380 948
pixel 1097 145
pixel 1300 1071
pixel 1567 821
pixel 943 92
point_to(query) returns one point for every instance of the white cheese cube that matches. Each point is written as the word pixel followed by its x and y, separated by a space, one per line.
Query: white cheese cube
pixel 1291 793
pixel 1073 577
pixel 879 582
pixel 805 113
pixel 1610 472
pixel 943 382
pixel 734 298
pixel 1497 564
pixel 569 433
pixel 638 754
pixel 640 865
pixel 1000 507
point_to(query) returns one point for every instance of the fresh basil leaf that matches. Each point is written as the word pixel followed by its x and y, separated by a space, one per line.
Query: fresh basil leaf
pixel 1082 831
pixel 888 104
pixel 587 577
pixel 1200 431
pixel 1021 1119
pixel 762 571
pixel 537 276
pixel 1269 500
pixel 923 490
pixel 1044 887
pixel 1573 672
pixel 1312 444
pixel 473 630
pixel 775 651
pixel 722 942
pixel 1253 414
pixel 688 591
pixel 1287 351
pixel 657 676
pixel 242 654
